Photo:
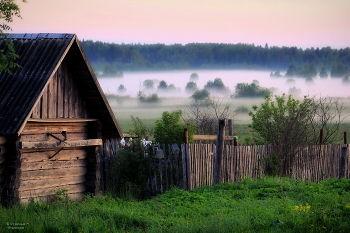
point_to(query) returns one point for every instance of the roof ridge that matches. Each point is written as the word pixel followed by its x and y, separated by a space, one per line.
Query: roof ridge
pixel 34 36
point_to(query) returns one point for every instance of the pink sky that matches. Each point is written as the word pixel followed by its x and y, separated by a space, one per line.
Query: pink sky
pixel 301 23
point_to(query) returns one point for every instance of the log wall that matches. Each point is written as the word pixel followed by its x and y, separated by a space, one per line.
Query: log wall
pixel 45 171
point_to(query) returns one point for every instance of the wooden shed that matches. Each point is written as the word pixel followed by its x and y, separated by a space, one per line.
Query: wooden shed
pixel 54 119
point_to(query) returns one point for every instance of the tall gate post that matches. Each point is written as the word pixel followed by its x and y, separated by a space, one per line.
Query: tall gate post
pixel 219 151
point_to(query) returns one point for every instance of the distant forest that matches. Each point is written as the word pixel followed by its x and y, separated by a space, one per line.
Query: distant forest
pixel 111 58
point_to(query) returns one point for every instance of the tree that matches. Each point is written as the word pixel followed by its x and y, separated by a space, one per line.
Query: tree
pixel 200 95
pixel 194 76
pixel 191 87
pixel 170 129
pixel 216 85
pixel 205 117
pixel 251 90
pixel 292 71
pixel 346 79
pixel 162 85
pixel 121 88
pixel 288 124
pixel 153 98
pixel 8 56
pixel 148 84
pixel 323 72
pixel 140 130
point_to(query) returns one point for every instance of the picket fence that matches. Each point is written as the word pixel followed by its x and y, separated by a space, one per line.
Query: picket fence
pixel 192 165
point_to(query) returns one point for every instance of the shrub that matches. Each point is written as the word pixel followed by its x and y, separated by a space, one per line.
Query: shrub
pixel 170 129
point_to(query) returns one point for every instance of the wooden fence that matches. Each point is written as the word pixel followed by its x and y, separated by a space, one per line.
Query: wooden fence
pixel 193 165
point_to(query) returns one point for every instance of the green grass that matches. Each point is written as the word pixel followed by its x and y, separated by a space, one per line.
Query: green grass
pixel 263 205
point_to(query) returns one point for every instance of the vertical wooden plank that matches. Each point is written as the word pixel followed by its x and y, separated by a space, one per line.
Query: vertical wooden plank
pixel 166 159
pixel 65 92
pixel 342 157
pixel 184 168
pixel 188 166
pixel 219 151
pixel 44 109
pixel 59 100
pixel 36 110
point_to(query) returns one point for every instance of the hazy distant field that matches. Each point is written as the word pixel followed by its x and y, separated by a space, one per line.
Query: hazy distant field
pixel 123 107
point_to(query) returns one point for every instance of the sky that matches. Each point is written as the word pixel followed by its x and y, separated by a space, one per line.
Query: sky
pixel 300 23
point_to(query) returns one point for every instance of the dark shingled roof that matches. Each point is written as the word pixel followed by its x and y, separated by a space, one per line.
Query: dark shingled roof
pixel 39 57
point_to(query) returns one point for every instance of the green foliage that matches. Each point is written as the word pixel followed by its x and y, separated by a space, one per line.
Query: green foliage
pixel 128 172
pixel 262 205
pixel 242 109
pixel 306 71
pixel 121 88
pixel 209 56
pixel 170 129
pixel 281 121
pixel 153 98
pixel 148 84
pixel 277 74
pixel 194 76
pixel 8 56
pixel 162 85
pixel 140 130
pixel 346 79
pixel 323 72
pixel 251 90
pixel 191 87
pixel 200 95
pixel 217 85
pixel 109 70
pixel 340 70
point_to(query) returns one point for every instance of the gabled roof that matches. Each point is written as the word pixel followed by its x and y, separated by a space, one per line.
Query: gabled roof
pixel 39 57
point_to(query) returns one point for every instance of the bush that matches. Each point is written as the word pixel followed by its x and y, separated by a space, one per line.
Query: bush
pixel 242 109
pixel 170 129
pixel 251 90
pixel 127 173
pixel 153 98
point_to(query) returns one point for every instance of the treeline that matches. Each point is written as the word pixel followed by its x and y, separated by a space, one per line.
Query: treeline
pixel 124 57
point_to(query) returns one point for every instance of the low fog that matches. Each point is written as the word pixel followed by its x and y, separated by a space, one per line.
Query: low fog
pixel 133 83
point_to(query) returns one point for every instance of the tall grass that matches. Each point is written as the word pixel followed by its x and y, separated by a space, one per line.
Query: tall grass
pixel 262 205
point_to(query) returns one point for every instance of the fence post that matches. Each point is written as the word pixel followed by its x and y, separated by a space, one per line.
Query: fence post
pixel 186 136
pixel 184 166
pixel 343 155
pixel 321 136
pixel 219 151
pixel 345 138
pixel 230 131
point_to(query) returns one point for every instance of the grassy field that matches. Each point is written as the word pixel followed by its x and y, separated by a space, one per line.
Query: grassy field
pixel 263 205
pixel 123 107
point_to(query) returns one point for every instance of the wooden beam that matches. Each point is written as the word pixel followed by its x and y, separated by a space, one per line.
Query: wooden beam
pixel 3 140
pixel 58 144
pixel 210 137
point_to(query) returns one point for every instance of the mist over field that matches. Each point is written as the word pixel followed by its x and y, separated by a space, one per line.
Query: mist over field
pixel 133 82
pixel 125 103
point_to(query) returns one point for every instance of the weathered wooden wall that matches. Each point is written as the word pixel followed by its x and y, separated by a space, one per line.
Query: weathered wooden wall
pixel 44 171
pixel 61 98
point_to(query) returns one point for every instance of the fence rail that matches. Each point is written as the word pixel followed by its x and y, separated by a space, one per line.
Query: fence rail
pixel 193 165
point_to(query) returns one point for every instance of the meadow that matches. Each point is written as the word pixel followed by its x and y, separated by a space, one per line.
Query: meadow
pixel 263 205
pixel 125 106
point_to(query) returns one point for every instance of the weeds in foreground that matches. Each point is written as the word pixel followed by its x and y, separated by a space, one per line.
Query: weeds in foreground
pixel 262 205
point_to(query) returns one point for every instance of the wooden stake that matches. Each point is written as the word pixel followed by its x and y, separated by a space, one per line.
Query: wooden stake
pixel 230 130
pixel 321 136
pixel 345 138
pixel 186 136
pixel 219 151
